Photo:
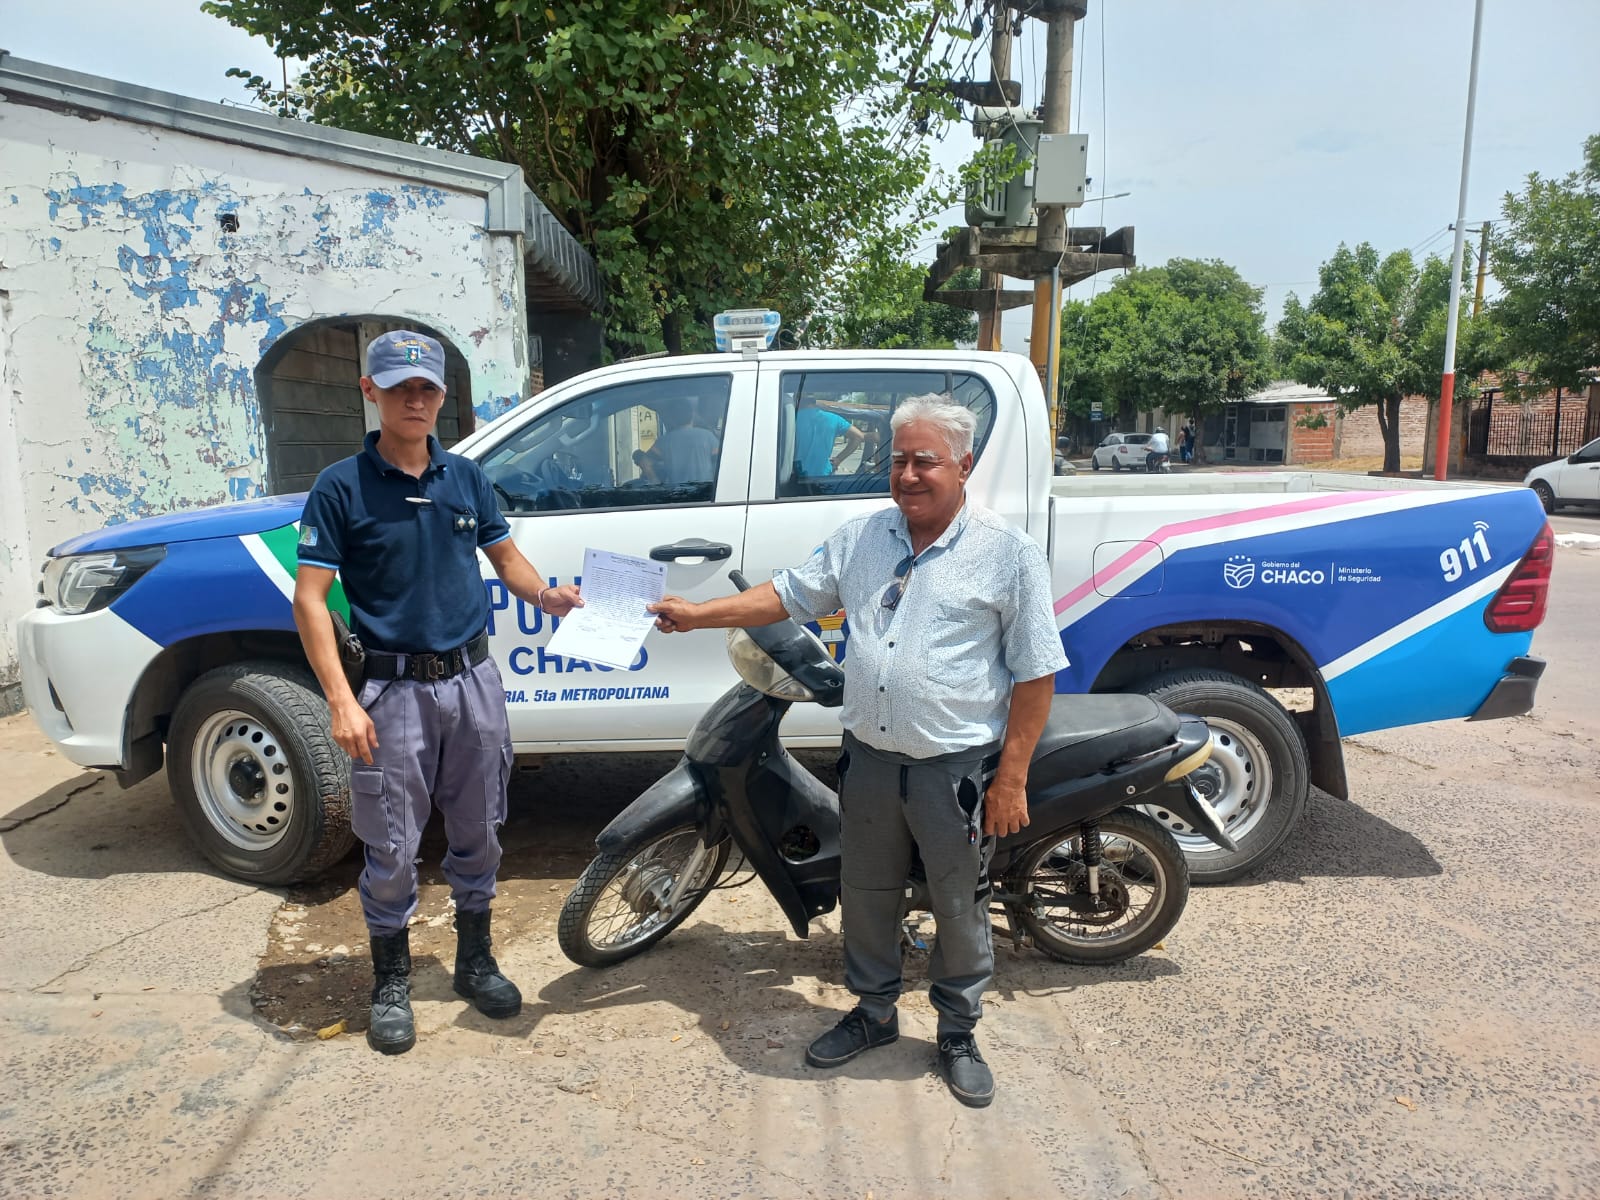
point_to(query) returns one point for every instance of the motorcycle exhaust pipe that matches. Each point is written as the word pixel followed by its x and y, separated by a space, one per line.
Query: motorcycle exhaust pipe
pixel 1203 817
pixel 1190 804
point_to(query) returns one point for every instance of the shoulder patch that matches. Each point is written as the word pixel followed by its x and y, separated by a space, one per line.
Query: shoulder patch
pixel 308 535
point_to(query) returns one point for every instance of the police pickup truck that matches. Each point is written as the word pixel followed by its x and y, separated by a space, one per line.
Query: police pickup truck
pixel 1289 609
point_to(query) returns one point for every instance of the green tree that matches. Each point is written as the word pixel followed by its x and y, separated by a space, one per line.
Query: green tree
pixel 710 153
pixel 1374 334
pixel 1547 258
pixel 1189 337
pixel 878 305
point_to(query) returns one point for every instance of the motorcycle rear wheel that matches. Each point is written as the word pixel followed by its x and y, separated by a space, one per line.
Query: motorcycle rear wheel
pixel 614 911
pixel 1144 885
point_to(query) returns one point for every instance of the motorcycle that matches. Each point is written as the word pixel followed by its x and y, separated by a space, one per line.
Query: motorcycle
pixel 1158 461
pixel 1090 880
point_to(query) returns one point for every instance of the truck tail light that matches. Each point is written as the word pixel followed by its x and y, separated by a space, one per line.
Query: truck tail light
pixel 1519 605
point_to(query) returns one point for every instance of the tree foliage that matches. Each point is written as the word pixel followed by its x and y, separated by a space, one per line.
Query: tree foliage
pixel 1547 258
pixel 1374 334
pixel 710 153
pixel 879 306
pixel 1188 336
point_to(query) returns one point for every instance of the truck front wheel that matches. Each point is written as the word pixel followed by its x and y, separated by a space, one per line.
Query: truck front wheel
pixel 1258 777
pixel 261 786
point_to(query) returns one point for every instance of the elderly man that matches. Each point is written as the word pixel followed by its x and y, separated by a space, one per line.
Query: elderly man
pixel 953 654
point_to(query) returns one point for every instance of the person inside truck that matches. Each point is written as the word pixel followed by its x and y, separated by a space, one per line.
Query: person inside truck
pixel 424 716
pixel 686 452
pixel 816 438
pixel 953 658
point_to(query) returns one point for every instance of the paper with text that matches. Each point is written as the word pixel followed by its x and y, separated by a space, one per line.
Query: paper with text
pixel 612 624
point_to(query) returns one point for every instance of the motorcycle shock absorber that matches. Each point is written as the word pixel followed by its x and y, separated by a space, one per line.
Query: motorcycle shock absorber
pixel 1090 833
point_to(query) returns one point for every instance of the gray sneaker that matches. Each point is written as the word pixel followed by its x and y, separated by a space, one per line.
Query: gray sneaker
pixel 964 1070
pixel 851 1038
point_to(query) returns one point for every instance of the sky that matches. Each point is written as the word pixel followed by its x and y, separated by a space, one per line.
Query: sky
pixel 1259 132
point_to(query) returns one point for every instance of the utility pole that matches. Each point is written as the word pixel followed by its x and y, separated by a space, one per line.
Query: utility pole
pixel 1020 229
pixel 1483 267
pixel 1447 381
pixel 990 282
pixel 1061 18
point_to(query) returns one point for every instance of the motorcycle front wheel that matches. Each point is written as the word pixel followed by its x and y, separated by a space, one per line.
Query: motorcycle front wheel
pixel 1143 886
pixel 620 906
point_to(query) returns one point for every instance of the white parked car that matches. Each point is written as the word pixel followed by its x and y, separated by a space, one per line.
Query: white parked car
pixel 1120 452
pixel 1571 480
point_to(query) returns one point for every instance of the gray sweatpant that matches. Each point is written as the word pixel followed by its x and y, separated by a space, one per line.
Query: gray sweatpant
pixel 446 744
pixel 890 803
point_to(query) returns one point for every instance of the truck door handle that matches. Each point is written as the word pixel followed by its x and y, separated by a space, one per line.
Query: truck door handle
pixel 692 548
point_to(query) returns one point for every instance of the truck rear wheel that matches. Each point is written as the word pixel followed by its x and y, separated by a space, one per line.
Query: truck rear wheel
pixel 261 786
pixel 1258 777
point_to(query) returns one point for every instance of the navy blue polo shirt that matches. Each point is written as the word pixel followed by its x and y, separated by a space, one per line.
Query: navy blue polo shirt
pixel 410 569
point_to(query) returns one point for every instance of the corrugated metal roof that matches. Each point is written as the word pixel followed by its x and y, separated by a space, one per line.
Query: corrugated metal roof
pixel 1286 391
pixel 564 273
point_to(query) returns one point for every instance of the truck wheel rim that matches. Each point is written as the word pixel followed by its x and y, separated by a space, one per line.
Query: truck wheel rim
pixel 243 780
pixel 1237 779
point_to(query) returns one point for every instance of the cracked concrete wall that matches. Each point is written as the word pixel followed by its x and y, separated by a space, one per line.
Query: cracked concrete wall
pixel 137 316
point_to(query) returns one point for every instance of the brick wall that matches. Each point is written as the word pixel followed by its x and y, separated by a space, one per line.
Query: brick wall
pixel 1363 439
pixel 1313 445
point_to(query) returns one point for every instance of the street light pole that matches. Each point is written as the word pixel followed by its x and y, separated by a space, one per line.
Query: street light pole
pixel 1447 385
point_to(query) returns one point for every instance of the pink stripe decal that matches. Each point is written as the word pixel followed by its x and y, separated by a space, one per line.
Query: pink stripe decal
pixel 1221 521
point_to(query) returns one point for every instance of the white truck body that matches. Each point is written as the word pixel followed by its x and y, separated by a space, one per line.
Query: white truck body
pixel 1371 594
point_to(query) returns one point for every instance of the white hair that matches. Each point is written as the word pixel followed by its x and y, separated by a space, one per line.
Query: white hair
pixel 957 424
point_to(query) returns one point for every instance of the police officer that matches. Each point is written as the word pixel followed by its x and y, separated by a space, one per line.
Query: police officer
pixel 402 523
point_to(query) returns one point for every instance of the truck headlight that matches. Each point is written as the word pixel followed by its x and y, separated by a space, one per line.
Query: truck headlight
pixel 82 583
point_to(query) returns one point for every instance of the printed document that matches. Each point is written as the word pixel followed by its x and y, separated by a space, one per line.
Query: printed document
pixel 612 624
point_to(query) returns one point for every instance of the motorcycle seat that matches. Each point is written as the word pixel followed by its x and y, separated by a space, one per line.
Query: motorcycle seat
pixel 1085 734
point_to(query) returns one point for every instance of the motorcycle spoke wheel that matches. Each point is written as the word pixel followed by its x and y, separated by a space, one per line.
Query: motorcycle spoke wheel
pixel 1143 886
pixel 620 905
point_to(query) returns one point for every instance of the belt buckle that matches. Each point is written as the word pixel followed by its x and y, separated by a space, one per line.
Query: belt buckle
pixel 430 667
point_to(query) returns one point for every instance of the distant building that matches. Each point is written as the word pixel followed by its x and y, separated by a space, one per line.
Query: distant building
pixel 185 289
pixel 1283 424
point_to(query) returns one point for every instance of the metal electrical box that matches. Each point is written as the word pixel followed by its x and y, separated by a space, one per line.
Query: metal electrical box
pixel 1061 169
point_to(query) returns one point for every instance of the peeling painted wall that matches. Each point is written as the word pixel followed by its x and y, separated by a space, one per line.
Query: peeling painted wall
pixel 136 320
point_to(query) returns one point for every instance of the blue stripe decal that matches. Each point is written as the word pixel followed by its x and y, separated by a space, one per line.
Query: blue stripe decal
pixel 1446 670
pixel 210 586
pixel 1333 588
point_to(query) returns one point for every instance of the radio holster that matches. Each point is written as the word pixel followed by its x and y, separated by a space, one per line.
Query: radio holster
pixel 352 654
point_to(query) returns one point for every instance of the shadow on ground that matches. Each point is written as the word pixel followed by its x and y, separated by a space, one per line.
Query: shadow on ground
pixel 1339 839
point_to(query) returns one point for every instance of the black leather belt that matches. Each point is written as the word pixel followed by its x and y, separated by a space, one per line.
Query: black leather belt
pixel 428 666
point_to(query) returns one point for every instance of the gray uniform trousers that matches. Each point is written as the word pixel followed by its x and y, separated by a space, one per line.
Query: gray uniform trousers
pixel 445 743
pixel 890 802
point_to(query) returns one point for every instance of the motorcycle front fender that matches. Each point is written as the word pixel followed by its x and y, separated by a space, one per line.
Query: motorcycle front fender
pixel 677 799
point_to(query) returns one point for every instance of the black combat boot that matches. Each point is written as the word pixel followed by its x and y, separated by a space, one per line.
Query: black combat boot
pixel 478 976
pixel 391 1030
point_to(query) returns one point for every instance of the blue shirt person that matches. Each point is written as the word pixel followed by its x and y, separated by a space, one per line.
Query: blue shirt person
pixel 816 432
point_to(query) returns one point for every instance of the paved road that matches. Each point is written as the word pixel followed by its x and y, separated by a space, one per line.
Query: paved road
pixel 1403 1004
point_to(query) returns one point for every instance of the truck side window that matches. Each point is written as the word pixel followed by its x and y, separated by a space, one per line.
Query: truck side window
pixel 833 426
pixel 634 445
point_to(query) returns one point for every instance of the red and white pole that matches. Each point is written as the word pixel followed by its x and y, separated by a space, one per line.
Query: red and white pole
pixel 1447 386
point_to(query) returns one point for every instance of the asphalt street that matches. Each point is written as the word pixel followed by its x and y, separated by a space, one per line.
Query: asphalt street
pixel 1402 1004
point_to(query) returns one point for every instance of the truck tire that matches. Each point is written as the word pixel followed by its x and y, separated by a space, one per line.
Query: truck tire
pixel 261 786
pixel 1258 777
